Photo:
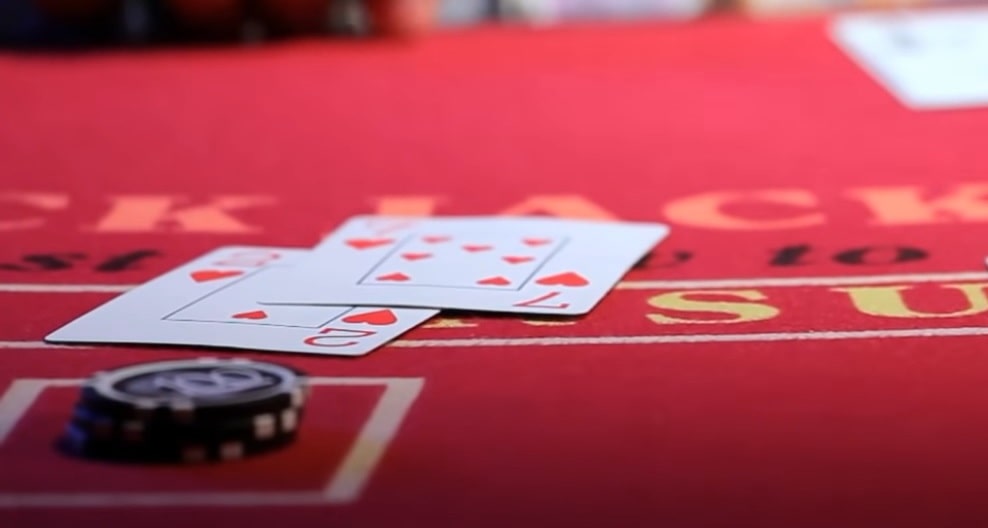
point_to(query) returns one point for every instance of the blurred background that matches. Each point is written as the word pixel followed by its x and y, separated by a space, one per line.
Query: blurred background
pixel 79 23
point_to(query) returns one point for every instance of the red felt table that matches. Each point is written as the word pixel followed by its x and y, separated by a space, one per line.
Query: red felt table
pixel 808 348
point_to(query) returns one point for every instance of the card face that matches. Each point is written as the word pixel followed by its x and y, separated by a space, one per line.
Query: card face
pixel 927 59
pixel 212 301
pixel 502 264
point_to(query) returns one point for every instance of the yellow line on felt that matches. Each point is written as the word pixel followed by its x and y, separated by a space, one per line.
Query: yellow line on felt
pixel 774 282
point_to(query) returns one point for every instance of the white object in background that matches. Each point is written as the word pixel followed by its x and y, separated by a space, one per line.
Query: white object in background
pixel 929 59
pixel 453 13
pixel 557 11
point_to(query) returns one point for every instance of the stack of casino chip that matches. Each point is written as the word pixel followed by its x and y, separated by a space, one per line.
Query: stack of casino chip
pixel 186 411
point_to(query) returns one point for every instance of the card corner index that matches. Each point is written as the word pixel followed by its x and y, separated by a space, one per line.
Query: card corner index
pixel 357 218
pixel 53 336
pixel 231 247
pixel 378 218
pixel 66 332
pixel 661 229
pixel 241 248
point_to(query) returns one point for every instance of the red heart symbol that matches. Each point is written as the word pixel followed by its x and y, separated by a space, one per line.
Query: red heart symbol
pixel 256 314
pixel 494 281
pixel 473 248
pixel 415 256
pixel 400 277
pixel 569 278
pixel 517 260
pixel 210 274
pixel 366 243
pixel 376 318
pixel 435 239
pixel 535 241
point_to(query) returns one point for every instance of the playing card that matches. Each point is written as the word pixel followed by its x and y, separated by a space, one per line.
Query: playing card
pixel 928 59
pixel 531 265
pixel 212 301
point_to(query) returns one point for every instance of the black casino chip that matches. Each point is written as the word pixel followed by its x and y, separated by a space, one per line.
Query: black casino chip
pixel 263 426
pixel 167 450
pixel 192 390
pixel 186 411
